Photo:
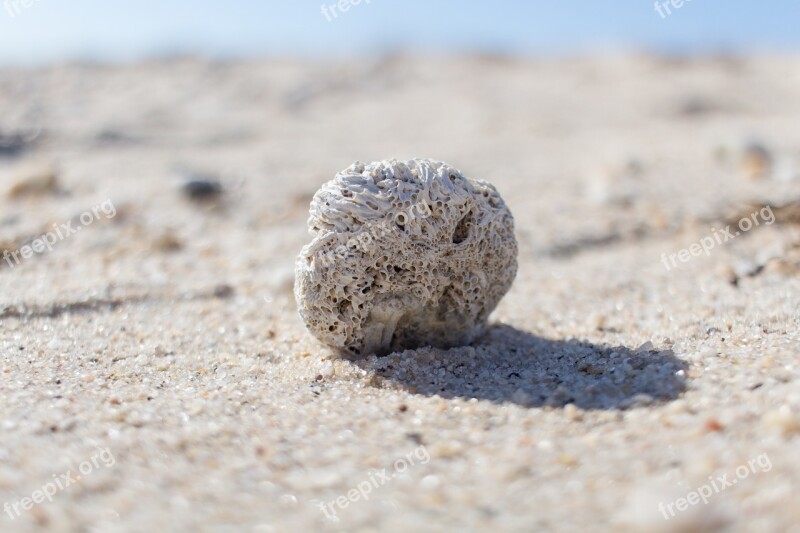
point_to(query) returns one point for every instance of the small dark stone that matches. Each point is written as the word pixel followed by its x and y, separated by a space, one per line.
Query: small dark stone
pixel 201 189
pixel 114 137
pixel 14 144
pixel 223 291
pixel 415 437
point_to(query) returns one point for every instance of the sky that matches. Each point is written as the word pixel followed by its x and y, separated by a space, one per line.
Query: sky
pixel 41 31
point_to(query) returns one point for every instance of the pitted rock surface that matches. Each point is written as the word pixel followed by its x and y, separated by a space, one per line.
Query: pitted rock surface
pixel 404 255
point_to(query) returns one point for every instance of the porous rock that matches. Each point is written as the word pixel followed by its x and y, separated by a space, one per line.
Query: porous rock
pixel 404 255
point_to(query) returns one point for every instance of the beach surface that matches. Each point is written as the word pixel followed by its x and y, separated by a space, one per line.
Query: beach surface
pixel 642 374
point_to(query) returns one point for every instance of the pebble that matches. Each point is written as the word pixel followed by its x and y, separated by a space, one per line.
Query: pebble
pixel 782 267
pixel 727 273
pixel 202 189
pixel 223 291
pixel 567 460
pixel 14 144
pixel 446 449
pixel 572 412
pixel 645 347
pixel 327 370
pixel 597 321
pixel 756 161
pixel 784 420
pixel 167 242
pixel 34 181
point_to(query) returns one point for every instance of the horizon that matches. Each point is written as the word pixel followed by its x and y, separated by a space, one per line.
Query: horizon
pixel 48 32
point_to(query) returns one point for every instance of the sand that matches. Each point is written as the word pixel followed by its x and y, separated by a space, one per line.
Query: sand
pixel 156 353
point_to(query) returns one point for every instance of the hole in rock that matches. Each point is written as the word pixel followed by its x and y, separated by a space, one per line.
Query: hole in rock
pixel 462 229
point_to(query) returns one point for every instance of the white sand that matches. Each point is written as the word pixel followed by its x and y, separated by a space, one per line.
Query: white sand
pixel 222 413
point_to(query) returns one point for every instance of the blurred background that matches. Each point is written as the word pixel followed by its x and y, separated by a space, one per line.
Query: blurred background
pixel 47 30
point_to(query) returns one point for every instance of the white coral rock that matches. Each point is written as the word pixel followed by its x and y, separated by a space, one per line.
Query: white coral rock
pixel 404 255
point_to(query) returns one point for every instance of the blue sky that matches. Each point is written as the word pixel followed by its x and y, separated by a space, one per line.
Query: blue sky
pixel 50 30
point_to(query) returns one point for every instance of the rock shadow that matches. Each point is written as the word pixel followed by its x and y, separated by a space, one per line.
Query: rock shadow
pixel 510 365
